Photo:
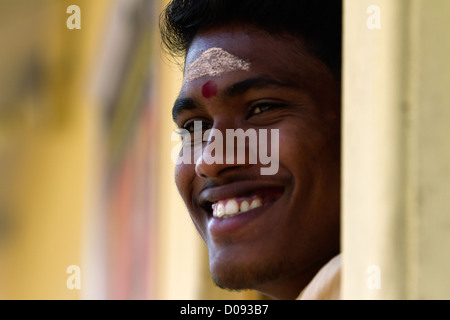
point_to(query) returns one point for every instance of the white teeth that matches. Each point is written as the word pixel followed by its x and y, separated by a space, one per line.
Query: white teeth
pixel 232 207
pixel 219 210
pixel 255 203
pixel 245 206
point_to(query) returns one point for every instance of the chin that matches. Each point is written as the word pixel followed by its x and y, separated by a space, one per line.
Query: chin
pixel 236 274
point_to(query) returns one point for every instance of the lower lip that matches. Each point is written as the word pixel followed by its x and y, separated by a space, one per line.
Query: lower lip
pixel 222 228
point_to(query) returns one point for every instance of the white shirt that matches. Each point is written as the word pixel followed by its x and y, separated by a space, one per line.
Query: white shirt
pixel 326 284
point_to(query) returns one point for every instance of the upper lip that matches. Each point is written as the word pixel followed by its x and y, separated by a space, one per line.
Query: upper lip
pixel 209 195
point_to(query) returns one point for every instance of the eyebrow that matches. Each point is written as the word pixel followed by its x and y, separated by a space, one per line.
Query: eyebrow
pixel 183 104
pixel 260 82
pixel 236 89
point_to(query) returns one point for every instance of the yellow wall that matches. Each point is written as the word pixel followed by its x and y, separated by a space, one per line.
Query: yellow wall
pixel 47 156
pixel 396 174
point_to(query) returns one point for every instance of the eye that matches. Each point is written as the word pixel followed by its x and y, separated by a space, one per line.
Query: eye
pixel 196 125
pixel 263 107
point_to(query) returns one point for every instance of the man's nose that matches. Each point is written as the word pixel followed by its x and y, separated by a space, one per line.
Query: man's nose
pixel 222 152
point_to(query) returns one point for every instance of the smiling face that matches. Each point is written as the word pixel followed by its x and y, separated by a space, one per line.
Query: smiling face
pixel 269 233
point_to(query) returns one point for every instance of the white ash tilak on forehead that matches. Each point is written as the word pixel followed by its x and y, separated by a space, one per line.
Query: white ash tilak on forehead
pixel 213 63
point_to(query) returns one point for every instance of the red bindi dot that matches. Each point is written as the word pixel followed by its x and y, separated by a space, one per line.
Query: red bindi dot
pixel 209 89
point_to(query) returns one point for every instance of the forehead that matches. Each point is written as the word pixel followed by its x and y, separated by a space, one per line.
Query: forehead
pixel 283 56
pixel 214 62
pixel 251 44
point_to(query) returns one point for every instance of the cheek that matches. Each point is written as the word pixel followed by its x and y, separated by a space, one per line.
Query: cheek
pixel 185 179
pixel 300 149
pixel 307 153
pixel 184 176
pixel 294 146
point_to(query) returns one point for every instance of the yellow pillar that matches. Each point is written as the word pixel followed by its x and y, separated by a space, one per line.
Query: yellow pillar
pixel 396 174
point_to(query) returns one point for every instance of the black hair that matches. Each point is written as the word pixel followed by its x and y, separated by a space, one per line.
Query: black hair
pixel 317 22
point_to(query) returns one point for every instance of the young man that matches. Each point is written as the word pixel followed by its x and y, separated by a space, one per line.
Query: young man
pixel 271 68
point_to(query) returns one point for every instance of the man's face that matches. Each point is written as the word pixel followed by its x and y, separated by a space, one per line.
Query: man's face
pixel 294 228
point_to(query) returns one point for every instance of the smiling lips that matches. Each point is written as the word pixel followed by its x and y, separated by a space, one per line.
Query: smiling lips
pixel 236 202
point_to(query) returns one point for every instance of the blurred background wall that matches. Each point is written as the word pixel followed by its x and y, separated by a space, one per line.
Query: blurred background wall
pixel 88 205
pixel 396 150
